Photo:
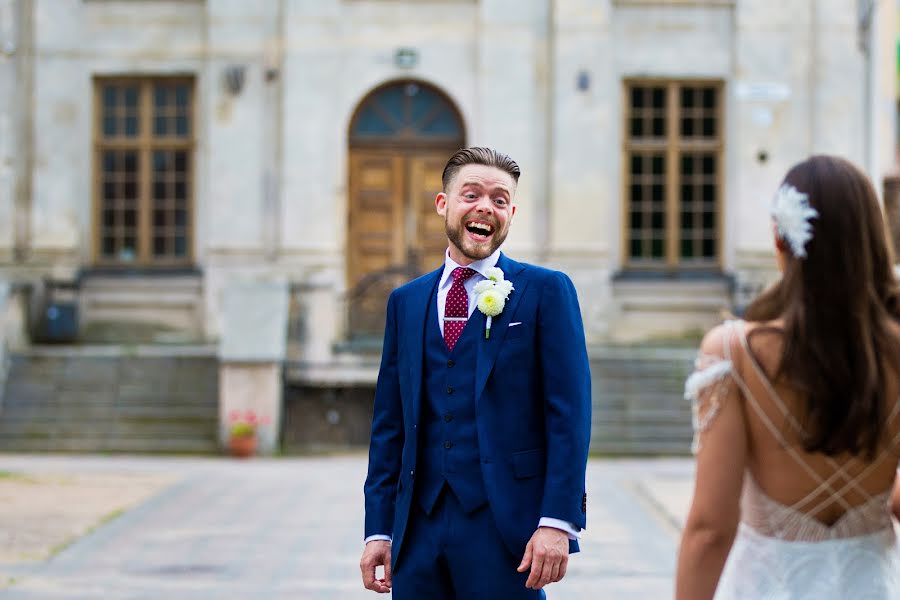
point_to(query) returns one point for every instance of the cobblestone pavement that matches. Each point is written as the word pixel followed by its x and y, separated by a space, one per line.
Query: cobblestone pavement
pixel 292 528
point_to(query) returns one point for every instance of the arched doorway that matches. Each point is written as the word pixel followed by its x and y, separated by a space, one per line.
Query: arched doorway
pixel 400 138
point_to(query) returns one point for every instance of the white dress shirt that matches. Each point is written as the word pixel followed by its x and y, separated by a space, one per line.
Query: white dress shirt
pixel 446 282
pixel 480 267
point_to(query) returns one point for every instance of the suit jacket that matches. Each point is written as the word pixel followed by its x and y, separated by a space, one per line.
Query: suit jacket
pixel 533 406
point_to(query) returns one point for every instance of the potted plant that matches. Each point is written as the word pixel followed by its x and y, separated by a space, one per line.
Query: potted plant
pixel 242 432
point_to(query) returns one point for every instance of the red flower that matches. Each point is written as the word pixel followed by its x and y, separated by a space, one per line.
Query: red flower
pixel 245 423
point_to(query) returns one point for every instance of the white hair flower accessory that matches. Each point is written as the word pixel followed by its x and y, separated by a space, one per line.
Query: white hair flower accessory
pixel 792 213
pixel 492 295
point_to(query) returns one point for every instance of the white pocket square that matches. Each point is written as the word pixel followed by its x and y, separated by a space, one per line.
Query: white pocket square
pixel 514 323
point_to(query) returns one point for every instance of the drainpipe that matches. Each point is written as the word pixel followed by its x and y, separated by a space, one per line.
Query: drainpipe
pixel 865 12
pixel 274 101
pixel 545 216
pixel 20 44
pixel 812 76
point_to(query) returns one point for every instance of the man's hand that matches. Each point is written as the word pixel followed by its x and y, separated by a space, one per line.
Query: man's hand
pixel 377 553
pixel 547 553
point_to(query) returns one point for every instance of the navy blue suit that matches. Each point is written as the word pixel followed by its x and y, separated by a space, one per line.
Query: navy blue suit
pixel 497 430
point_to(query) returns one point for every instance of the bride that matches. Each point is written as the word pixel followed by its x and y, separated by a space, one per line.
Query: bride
pixel 797 411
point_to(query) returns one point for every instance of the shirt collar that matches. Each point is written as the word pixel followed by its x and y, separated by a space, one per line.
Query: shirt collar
pixel 480 266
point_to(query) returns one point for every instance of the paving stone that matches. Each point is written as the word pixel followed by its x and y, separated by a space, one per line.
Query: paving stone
pixel 292 528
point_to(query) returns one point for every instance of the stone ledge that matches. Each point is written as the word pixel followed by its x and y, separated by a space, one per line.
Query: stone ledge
pixel 122 350
pixel 332 374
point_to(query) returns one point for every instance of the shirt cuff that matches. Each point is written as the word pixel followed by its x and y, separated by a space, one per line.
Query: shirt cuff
pixel 573 530
pixel 377 537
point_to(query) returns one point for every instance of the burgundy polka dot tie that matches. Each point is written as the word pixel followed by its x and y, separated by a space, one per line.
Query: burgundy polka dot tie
pixel 456 310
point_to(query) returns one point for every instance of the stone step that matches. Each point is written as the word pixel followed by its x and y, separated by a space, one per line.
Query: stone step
pixel 159 382
pixel 104 427
pixel 110 402
pixel 125 445
pixel 638 406
pixel 16 395
pixel 623 447
pixel 140 308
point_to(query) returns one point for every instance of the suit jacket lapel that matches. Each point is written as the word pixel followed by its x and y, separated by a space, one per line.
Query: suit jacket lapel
pixel 416 316
pixel 489 348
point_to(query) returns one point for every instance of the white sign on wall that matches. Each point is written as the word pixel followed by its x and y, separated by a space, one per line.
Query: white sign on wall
pixel 762 91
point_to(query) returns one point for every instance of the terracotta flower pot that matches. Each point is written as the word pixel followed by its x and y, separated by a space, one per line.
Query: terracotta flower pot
pixel 242 446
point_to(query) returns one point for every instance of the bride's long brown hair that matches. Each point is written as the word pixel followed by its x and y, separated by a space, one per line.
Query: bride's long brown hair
pixel 836 305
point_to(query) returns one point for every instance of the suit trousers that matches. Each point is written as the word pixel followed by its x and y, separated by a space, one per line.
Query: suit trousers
pixel 452 555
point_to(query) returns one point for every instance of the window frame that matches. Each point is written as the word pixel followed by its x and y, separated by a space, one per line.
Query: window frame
pixel 145 144
pixel 673 147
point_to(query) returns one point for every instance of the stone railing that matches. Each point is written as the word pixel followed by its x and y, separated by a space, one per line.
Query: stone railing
pixel 14 297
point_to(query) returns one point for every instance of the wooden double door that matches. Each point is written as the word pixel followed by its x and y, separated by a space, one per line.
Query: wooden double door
pixel 394 232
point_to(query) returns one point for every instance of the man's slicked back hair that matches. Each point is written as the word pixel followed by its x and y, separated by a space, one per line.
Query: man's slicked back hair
pixel 478 156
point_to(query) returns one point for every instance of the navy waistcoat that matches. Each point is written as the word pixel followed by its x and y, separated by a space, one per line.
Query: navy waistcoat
pixel 448 436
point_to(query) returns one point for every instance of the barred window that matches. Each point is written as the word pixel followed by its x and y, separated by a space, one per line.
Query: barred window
pixel 673 170
pixel 144 141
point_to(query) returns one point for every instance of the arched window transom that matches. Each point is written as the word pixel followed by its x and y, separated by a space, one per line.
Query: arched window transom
pixel 406 112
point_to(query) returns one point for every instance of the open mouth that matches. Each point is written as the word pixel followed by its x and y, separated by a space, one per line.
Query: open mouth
pixel 480 229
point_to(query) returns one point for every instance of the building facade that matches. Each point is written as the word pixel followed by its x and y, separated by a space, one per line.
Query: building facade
pixel 158 153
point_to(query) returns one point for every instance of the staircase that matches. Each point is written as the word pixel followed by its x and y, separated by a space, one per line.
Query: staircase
pixel 638 400
pixel 104 399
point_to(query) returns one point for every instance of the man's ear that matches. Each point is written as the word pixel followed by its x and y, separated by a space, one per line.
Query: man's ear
pixel 440 203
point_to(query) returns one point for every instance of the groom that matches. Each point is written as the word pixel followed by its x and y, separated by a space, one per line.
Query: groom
pixel 479 439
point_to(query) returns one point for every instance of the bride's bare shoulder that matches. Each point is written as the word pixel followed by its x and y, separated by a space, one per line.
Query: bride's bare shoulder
pixel 765 340
pixel 716 339
pixel 893 327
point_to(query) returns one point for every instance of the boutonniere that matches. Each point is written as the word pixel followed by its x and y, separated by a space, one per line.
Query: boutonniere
pixel 492 295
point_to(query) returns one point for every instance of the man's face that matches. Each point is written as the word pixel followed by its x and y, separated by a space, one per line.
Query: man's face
pixel 477 209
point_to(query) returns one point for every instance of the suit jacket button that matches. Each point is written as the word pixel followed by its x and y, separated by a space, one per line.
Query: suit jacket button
pixel 448 445
pixel 450 390
pixel 450 363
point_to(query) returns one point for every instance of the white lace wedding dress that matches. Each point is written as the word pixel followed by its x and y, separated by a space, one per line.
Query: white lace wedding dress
pixel 781 552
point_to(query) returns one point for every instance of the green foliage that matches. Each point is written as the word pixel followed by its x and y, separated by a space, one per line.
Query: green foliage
pixel 245 423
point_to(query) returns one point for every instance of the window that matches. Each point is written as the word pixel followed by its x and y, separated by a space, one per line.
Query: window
pixel 144 140
pixel 673 170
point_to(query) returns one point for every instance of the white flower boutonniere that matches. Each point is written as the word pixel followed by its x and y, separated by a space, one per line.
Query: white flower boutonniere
pixel 492 295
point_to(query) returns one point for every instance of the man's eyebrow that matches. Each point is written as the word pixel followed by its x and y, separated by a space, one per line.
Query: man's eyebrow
pixel 499 186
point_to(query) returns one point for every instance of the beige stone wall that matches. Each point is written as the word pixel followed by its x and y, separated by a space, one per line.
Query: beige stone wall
pixel 74 42
pixel 8 90
pixel 271 160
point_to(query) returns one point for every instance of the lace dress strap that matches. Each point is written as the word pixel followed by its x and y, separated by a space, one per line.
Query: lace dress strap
pixel 853 481
pixel 823 484
pixel 708 386
pixel 839 482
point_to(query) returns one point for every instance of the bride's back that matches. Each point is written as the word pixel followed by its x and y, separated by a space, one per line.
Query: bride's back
pixel 778 462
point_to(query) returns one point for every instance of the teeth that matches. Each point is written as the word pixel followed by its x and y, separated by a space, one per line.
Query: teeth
pixel 481 226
